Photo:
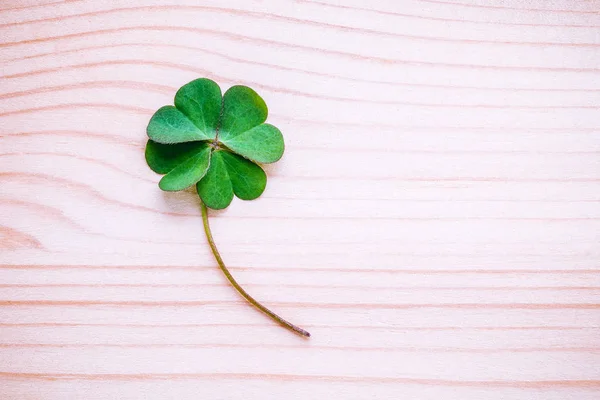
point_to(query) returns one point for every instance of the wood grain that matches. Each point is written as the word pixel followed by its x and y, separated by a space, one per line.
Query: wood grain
pixel 435 221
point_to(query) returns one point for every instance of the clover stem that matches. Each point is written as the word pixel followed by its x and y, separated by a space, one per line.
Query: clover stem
pixel 237 286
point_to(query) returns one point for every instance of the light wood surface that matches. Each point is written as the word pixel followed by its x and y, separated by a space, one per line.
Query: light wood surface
pixel 435 221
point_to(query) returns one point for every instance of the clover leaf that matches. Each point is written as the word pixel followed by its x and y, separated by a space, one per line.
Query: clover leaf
pixel 215 142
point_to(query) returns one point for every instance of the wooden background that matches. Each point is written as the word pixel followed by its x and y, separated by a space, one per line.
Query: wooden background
pixel 435 221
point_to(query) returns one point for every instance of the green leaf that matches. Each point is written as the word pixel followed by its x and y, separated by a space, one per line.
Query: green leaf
pixel 169 125
pixel 247 179
pixel 263 144
pixel 215 188
pixel 162 158
pixel 183 141
pixel 188 172
pixel 200 101
pixel 243 109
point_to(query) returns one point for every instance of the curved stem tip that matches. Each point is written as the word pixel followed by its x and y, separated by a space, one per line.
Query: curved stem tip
pixel 237 286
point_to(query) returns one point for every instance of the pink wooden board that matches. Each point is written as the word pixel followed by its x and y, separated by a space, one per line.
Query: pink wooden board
pixel 435 221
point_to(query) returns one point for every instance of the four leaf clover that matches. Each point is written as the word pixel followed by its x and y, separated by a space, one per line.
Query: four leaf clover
pixel 214 142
